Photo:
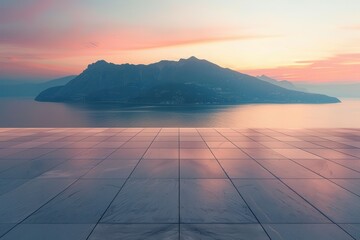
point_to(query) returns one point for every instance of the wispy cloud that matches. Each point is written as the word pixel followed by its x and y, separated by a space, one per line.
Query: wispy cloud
pixel 343 67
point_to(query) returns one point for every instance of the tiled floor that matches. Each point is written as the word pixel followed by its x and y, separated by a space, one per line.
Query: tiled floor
pixel 147 183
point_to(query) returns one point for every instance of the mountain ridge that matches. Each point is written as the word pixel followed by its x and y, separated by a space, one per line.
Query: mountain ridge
pixel 187 81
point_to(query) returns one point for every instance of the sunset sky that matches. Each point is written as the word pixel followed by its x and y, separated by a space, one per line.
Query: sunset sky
pixel 297 40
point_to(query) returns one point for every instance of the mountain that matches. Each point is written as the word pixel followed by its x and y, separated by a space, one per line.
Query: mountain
pixel 343 90
pixel 23 89
pixel 336 89
pixel 187 81
pixel 281 83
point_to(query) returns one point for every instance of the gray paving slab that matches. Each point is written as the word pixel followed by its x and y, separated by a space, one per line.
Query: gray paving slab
pixel 137 203
pixel 84 202
pixel 212 201
pixel 222 232
pixel 135 231
pixel 306 232
pixel 273 202
pixel 49 231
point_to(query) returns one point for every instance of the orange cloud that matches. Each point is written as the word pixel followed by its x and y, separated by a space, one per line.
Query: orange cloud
pixel 344 67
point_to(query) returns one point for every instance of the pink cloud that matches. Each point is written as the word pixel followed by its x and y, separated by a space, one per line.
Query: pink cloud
pixel 13 11
pixel 343 67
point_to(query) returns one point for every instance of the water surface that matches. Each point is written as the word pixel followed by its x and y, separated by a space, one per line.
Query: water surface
pixel 29 113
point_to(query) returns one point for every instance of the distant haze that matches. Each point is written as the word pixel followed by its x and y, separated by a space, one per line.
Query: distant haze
pixel 307 40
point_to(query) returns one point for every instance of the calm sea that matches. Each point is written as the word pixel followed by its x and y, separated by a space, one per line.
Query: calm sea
pixel 28 113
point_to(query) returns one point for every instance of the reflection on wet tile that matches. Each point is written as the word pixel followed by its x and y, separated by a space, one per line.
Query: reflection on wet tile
pixel 95 153
pixel 353 185
pixel 70 169
pixel 49 231
pixel 263 153
pixel 222 231
pixel 330 154
pixel 273 202
pixel 27 198
pixel 198 144
pixel 352 229
pixel 127 154
pixel 220 145
pixel 212 201
pixel 296 154
pixel 244 169
pixel 157 169
pixel 30 169
pixel 168 153
pixel 137 202
pixel 135 232
pixel 354 165
pixel 328 169
pixel 136 145
pixel 7 185
pixel 196 154
pixel 230 154
pixel 85 170
pixel 201 169
pixel 7 164
pixel 112 169
pixel 83 202
pixel 250 145
pixel 338 204
pixel 164 145
pixel 306 232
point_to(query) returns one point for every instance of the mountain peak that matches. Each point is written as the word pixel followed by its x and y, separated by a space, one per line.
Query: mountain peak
pixel 192 58
pixel 98 64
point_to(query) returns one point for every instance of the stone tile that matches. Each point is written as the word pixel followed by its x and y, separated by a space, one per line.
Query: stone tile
pixel 330 154
pixel 82 203
pixel 249 145
pixel 244 169
pixel 287 169
pixel 16 205
pixel 328 169
pixel 136 145
pixel 135 231
pixel 95 154
pixel 296 154
pixel 7 185
pixel 49 231
pixel 165 145
pixel 212 201
pixel 198 144
pixel 137 202
pixel 352 229
pixel 262 153
pixel 127 154
pixel 224 144
pixel 228 154
pixel 353 185
pixel 168 153
pixel 201 169
pixel 222 231
pixel 7 164
pixel 306 232
pixel 70 169
pixel 196 154
pixel 112 169
pixel 5 228
pixel 31 169
pixel 352 164
pixel 157 169
pixel 338 204
pixel 273 202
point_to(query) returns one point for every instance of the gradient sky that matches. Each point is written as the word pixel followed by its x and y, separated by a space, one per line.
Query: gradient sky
pixel 298 40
